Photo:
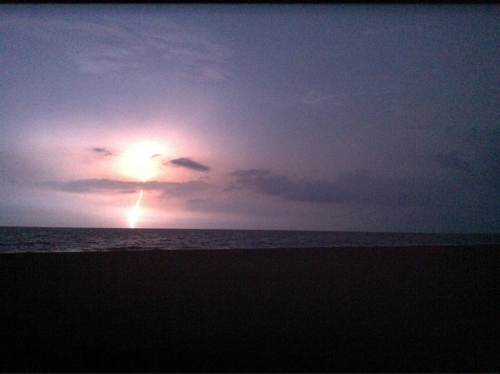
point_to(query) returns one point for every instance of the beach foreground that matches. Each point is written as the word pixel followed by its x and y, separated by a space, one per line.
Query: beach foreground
pixel 275 310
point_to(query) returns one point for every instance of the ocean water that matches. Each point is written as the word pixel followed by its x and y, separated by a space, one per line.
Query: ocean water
pixel 35 239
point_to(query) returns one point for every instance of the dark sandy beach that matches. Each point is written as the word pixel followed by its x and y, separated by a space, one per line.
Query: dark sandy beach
pixel 288 310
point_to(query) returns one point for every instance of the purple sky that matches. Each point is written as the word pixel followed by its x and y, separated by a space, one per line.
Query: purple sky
pixel 364 118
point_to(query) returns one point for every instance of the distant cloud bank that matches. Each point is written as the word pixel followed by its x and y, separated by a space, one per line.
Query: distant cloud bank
pixel 93 185
pixel 357 187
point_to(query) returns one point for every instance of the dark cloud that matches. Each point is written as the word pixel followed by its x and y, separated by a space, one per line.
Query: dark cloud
pixel 189 164
pixel 452 161
pixel 349 188
pixel 265 183
pixel 244 174
pixel 103 151
pixel 245 177
pixel 91 185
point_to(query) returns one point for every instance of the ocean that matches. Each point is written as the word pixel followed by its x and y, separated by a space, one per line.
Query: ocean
pixel 36 239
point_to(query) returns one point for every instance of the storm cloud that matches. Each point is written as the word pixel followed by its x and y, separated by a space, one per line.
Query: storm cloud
pixel 357 187
pixel 262 181
pixel 188 164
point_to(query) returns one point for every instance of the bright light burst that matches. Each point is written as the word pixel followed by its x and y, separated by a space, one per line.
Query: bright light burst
pixel 143 162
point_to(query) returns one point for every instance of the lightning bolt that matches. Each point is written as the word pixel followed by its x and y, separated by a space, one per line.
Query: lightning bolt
pixel 136 210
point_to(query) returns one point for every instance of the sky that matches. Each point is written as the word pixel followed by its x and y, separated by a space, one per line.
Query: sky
pixel 292 117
